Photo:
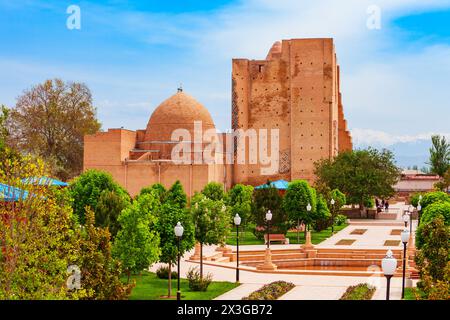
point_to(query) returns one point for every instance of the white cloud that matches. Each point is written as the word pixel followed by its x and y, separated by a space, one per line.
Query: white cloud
pixel 403 91
pixel 362 137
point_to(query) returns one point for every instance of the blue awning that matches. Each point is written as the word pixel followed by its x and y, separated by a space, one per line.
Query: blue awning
pixel 10 193
pixel 279 184
pixel 44 181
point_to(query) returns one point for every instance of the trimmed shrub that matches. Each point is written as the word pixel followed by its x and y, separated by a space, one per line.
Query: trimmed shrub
pixel 435 210
pixel 196 283
pixel 340 219
pixel 163 273
pixel 362 291
pixel 432 197
pixel 271 291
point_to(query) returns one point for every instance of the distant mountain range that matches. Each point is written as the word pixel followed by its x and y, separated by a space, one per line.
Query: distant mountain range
pixel 407 154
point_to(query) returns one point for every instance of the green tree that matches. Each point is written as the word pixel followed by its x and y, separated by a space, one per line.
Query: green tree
pixel 444 184
pixel 433 257
pixel 160 190
pixel 214 191
pixel 432 197
pixel 137 242
pixel 360 174
pixel 4 133
pixel 169 216
pixel 99 270
pixel 240 202
pixel 87 188
pixel 37 238
pixel 298 195
pixel 438 209
pixel 269 199
pixel 322 212
pixel 439 155
pixel 339 201
pixel 108 208
pixel 50 120
pixel 176 195
pixel 211 220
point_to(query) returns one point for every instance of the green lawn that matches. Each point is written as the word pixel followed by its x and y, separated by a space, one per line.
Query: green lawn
pixel 248 237
pixel 150 287
pixel 409 294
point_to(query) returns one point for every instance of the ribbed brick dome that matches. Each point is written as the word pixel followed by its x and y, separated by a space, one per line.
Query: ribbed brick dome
pixel 177 112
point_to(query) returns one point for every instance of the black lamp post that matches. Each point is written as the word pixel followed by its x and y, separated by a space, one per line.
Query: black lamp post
pixel 405 238
pixel 419 208
pixel 388 264
pixel 332 216
pixel 179 233
pixel 237 222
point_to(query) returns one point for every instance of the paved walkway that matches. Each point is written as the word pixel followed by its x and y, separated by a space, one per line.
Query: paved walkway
pixel 377 232
pixel 242 291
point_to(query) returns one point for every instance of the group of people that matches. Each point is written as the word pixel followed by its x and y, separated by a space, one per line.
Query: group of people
pixel 381 205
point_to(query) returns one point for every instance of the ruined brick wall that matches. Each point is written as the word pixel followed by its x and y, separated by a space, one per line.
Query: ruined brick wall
pixel 295 90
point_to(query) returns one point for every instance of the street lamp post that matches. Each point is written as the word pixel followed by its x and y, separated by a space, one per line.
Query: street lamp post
pixel 389 265
pixel 308 244
pixel 332 216
pixel 237 222
pixel 268 219
pixel 179 233
pixel 308 208
pixel 419 208
pixel 405 238
pixel 268 265
pixel 405 219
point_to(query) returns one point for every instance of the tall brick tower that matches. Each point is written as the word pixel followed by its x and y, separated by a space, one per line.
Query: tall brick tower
pixel 295 89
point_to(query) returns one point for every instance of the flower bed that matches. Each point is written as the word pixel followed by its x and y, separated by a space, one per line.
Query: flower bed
pixel 271 291
pixel 362 291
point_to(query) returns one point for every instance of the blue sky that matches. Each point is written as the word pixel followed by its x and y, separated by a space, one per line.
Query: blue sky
pixel 134 54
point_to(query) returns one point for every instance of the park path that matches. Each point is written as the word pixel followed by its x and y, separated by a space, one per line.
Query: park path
pixel 240 292
pixel 314 293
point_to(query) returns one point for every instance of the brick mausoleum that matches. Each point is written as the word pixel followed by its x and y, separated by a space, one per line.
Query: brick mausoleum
pixel 296 89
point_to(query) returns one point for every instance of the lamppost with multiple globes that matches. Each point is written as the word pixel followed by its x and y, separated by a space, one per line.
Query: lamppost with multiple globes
pixel 332 216
pixel 389 265
pixel 179 233
pixel 405 237
pixel 237 222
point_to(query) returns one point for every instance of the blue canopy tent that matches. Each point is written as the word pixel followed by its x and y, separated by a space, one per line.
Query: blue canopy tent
pixel 44 181
pixel 279 184
pixel 12 194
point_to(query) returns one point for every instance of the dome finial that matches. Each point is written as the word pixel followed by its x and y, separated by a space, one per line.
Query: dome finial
pixel 180 88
